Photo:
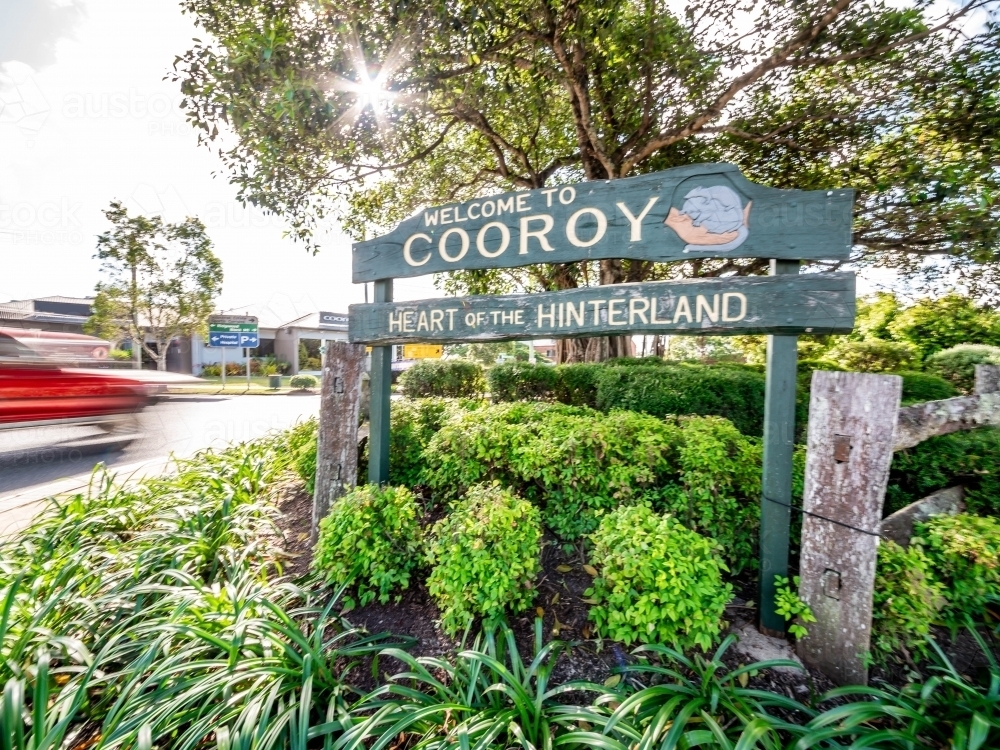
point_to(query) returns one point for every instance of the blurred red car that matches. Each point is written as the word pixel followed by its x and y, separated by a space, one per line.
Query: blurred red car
pixel 58 345
pixel 34 392
pixel 36 395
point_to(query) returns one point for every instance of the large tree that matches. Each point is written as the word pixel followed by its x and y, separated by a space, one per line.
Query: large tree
pixel 371 110
pixel 162 281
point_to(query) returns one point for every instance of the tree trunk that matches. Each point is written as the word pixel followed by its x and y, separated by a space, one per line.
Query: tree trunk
pixel 597 348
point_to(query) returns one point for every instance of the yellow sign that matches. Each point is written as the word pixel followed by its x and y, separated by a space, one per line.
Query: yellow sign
pixel 422 351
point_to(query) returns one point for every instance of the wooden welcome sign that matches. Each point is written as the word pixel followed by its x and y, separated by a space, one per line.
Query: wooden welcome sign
pixel 697 211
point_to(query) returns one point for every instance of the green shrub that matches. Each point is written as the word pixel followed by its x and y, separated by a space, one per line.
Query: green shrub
pixel 575 463
pixel 370 542
pixel 790 605
pixel 907 600
pixel 303 381
pixel 873 355
pixel 970 458
pixel 412 424
pixel 475 448
pixel 921 386
pixel 964 552
pixel 734 393
pixel 658 582
pixel 521 381
pixel 717 487
pixel 484 555
pixel 958 364
pixel 448 378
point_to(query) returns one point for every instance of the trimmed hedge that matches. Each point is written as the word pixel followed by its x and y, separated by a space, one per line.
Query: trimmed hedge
pixel 447 378
pixel 736 394
pixel 922 386
pixel 521 381
pixel 733 392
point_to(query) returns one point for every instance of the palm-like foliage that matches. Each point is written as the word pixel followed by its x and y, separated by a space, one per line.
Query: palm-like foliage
pixel 487 698
pixel 947 710
pixel 699 702
pixel 155 615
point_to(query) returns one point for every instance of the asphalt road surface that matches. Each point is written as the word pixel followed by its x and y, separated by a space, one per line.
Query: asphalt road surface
pixel 179 425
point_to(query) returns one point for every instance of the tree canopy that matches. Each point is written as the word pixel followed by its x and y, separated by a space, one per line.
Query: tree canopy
pixel 162 280
pixel 368 111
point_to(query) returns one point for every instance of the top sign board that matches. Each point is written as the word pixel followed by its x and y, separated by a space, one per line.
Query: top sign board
pixel 697 211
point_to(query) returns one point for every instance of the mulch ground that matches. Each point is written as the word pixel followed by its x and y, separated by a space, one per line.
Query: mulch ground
pixel 561 586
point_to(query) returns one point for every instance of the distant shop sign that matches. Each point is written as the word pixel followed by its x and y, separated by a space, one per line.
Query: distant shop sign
pixel 333 320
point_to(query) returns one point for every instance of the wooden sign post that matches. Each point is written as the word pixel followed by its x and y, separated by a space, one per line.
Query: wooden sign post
pixel 699 211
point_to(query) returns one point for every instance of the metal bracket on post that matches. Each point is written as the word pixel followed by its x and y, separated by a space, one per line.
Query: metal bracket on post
pixel 381 378
pixel 776 482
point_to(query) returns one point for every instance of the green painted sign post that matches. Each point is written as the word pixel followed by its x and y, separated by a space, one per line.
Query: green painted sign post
pixel 702 211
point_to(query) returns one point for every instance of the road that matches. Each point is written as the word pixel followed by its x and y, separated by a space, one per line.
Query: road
pixel 39 461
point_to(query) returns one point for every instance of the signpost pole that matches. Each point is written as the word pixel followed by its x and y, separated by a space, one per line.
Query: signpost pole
pixel 223 367
pixel 247 353
pixel 381 377
pixel 776 483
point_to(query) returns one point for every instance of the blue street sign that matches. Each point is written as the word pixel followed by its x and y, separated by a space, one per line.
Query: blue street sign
pixel 250 340
pixel 217 338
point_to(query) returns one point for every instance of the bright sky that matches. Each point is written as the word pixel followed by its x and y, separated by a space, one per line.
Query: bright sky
pixel 86 118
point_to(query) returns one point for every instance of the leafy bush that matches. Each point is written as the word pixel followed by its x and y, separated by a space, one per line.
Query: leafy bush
pixel 658 582
pixel 734 393
pixel 484 557
pixel 120 355
pixel 789 605
pixel 970 458
pixel 412 424
pixel 520 381
pixel 449 378
pixel 907 600
pixel 921 386
pixel 964 553
pixel 957 365
pixel 370 541
pixel 932 325
pixel 575 463
pixel 873 355
pixel 475 448
pixel 303 381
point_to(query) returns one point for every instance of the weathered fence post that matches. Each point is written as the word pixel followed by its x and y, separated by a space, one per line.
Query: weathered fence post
pixel 337 446
pixel 852 421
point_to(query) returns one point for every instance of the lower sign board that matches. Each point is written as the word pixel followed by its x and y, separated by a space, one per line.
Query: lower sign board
pixel 821 303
